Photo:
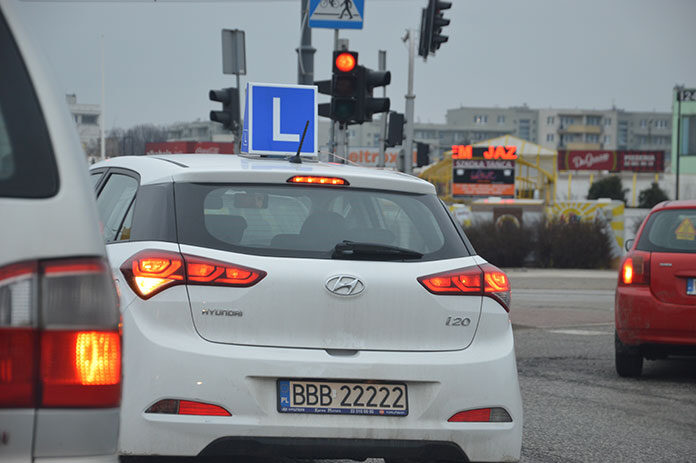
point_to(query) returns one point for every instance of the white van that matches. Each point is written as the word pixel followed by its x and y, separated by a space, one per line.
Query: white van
pixel 60 345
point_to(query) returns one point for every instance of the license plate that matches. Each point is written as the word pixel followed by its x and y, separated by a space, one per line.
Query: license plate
pixel 691 286
pixel 342 397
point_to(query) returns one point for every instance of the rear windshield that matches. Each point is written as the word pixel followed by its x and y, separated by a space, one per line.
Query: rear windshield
pixel 670 231
pixel 27 165
pixel 309 221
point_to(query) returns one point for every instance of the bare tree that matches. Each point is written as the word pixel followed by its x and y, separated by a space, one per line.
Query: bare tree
pixel 123 142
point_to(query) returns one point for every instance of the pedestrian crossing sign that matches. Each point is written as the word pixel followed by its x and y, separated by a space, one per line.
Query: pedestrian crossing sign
pixel 336 14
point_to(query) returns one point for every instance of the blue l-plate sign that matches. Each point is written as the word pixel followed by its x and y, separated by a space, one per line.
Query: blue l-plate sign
pixel 275 117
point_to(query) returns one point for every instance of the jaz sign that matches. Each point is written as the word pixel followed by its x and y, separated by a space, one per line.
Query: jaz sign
pixel 646 161
pixel 507 153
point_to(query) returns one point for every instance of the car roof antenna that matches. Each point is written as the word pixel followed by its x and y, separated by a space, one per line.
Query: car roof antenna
pixel 296 159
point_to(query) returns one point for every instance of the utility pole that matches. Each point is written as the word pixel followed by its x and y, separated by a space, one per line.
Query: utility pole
pixel 305 58
pixel 410 100
pixel 678 94
pixel 382 66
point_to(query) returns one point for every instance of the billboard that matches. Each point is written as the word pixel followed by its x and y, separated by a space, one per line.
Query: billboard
pixel 483 171
pixel 614 161
pixel 196 147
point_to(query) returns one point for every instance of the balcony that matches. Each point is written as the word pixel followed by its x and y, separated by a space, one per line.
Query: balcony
pixel 574 146
pixel 580 128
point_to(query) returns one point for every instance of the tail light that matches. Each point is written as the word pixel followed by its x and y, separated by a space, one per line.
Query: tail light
pixel 186 407
pixel 482 415
pixel 635 269
pixel 44 362
pixel 483 280
pixel 150 271
pixel 314 180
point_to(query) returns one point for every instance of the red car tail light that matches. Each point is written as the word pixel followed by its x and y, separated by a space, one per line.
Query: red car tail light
pixel 483 280
pixel 150 271
pixel 635 269
pixel 482 415
pixel 45 363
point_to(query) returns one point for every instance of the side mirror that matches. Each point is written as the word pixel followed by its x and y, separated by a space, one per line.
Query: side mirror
pixel 629 244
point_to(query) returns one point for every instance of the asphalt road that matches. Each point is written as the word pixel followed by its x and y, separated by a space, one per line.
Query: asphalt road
pixel 576 408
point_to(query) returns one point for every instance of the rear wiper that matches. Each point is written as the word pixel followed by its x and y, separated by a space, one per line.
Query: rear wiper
pixel 372 251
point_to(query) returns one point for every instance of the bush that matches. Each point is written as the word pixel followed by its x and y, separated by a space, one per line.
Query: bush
pixel 608 187
pixel 651 196
pixel 554 243
pixel 564 243
pixel 504 245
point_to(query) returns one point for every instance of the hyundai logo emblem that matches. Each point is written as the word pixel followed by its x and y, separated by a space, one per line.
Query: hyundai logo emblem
pixel 345 285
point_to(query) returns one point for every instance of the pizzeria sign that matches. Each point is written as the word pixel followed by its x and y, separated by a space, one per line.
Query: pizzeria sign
pixel 611 160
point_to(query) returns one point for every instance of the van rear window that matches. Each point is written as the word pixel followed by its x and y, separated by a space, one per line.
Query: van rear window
pixel 309 221
pixel 27 165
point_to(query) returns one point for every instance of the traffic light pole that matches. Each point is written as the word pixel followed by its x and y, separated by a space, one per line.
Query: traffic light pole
pixel 410 100
pixel 305 59
pixel 332 133
pixel 382 60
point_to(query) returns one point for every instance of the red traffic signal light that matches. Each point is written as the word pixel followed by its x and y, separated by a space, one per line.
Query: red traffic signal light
pixel 345 61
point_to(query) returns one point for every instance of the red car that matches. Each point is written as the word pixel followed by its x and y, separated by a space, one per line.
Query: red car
pixel 655 305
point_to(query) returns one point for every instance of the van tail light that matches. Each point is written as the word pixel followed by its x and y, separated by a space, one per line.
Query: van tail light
pixel 59 339
pixel 150 271
pixel 635 269
pixel 186 407
pixel 482 280
pixel 482 415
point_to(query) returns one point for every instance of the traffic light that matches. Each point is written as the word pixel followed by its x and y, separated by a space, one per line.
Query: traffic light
pixel 343 88
pixel 395 129
pixel 432 22
pixel 422 154
pixel 367 104
pixel 229 116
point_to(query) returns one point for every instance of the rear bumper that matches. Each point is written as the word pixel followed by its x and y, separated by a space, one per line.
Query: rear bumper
pixel 243 380
pixel 643 319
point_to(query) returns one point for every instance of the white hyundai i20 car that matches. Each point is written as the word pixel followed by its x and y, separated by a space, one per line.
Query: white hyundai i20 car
pixel 306 310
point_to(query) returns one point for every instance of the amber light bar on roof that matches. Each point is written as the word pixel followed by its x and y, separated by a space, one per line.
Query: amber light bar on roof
pixel 314 180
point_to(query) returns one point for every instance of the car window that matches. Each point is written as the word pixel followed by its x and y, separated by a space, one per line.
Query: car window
pixel 27 163
pixel 113 202
pixel 672 230
pixel 95 177
pixel 124 234
pixel 308 221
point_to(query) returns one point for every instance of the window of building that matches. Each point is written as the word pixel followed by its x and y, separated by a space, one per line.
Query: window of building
pixel 501 119
pixel 550 120
pixel 524 131
pixel 594 120
pixel 592 138
pixel 687 145
pixel 643 123
pixel 607 121
pixel 89 119
pixel 549 137
pixel 622 135
pixel 480 119
pixel 567 120
pixel 661 123
pixel 607 139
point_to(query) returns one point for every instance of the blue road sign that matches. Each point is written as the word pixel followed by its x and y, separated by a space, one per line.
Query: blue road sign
pixel 275 116
pixel 336 14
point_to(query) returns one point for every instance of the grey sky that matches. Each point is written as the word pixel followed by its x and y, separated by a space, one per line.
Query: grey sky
pixel 162 58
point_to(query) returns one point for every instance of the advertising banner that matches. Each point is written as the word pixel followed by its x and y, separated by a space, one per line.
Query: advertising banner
pixel 197 147
pixel 614 161
pixel 479 171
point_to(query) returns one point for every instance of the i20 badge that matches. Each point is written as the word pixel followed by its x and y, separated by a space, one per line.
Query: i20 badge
pixel 345 285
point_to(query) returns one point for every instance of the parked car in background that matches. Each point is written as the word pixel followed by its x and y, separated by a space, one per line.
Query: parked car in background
pixel 308 310
pixel 60 357
pixel 655 305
